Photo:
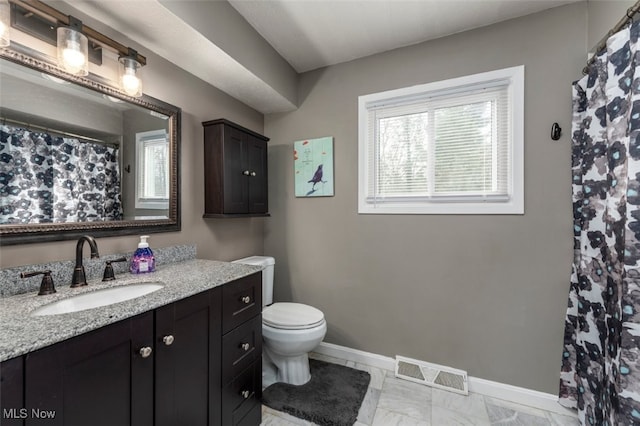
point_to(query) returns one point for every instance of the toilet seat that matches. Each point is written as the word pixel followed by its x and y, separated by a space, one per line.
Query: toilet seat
pixel 292 316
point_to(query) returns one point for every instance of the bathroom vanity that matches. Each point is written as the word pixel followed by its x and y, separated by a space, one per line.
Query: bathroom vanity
pixel 189 353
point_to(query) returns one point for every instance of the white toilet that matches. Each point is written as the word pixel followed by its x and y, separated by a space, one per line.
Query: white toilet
pixel 289 331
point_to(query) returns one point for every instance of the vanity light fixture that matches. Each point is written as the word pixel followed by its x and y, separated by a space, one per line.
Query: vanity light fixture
pixel 129 74
pixel 73 40
pixel 73 48
pixel 5 23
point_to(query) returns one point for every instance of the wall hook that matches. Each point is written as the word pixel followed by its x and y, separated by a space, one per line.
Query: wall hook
pixel 128 168
pixel 556 131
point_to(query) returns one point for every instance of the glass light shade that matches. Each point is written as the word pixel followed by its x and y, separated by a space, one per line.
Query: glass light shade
pixel 5 23
pixel 73 51
pixel 130 81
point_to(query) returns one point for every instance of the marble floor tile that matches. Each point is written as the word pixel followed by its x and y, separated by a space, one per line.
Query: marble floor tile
pixel 514 406
pixel 388 418
pixel 504 416
pixel 369 405
pixel 406 398
pixel 444 416
pixel 470 406
pixel 269 419
pixel 560 420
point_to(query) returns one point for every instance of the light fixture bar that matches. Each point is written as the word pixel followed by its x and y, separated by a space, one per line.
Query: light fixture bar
pixel 55 16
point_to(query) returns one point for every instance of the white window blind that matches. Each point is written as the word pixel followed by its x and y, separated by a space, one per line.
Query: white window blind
pixel 152 170
pixel 453 144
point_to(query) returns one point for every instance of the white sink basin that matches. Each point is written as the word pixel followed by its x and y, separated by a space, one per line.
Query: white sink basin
pixel 95 299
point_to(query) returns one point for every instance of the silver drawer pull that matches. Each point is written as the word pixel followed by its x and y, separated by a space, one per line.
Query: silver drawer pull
pixel 246 394
pixel 246 172
pixel 245 346
pixel 252 174
pixel 145 352
pixel 168 340
pixel 246 299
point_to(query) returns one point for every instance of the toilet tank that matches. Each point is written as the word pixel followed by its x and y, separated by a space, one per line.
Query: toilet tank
pixel 266 263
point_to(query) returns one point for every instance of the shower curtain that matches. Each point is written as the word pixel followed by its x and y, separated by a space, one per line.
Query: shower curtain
pixel 47 179
pixel 600 374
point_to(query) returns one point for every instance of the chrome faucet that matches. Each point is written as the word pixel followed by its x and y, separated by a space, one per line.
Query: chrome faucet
pixel 79 278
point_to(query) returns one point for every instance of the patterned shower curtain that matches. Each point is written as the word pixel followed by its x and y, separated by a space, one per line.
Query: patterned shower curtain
pixel 600 373
pixel 47 179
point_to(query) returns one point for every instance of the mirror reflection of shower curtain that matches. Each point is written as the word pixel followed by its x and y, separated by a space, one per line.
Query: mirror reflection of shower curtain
pixel 51 179
pixel 600 374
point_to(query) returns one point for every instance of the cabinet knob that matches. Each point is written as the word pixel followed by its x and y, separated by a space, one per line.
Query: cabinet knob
pixel 145 352
pixel 246 299
pixel 245 346
pixel 246 394
pixel 246 172
pixel 168 340
pixel 253 174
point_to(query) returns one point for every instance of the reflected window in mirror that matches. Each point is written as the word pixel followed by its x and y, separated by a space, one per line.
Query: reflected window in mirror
pixel 152 170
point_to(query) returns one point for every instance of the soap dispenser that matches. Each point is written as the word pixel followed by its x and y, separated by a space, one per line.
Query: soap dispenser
pixel 142 260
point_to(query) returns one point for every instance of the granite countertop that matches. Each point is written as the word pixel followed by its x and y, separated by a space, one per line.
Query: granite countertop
pixel 21 333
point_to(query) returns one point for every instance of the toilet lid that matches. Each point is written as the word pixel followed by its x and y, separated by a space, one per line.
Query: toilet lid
pixel 291 316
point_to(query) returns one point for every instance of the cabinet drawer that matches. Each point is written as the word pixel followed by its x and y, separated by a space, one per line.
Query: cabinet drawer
pixel 241 300
pixel 241 347
pixel 242 395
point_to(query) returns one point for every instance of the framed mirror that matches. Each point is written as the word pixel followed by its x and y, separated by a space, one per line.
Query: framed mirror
pixel 77 156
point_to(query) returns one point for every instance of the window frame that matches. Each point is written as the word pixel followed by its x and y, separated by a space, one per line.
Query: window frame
pixel 141 139
pixel 513 78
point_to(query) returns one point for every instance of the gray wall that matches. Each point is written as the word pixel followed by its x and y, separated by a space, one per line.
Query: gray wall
pixel 220 22
pixel 603 15
pixel 215 238
pixel 482 293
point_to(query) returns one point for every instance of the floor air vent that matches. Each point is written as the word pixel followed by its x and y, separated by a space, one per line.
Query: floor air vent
pixel 437 376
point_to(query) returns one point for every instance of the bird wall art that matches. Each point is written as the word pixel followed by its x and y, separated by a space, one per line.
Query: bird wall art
pixel 313 167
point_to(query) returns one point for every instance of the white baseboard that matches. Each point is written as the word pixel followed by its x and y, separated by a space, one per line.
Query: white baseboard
pixel 515 394
pixel 523 396
pixel 355 355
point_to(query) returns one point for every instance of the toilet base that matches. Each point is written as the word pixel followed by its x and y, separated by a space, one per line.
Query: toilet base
pixel 293 370
pixel 269 372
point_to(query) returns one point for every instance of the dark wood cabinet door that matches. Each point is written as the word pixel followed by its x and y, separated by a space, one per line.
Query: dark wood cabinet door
pixel 235 171
pixel 98 378
pixel 188 383
pixel 214 170
pixel 12 409
pixel 256 154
